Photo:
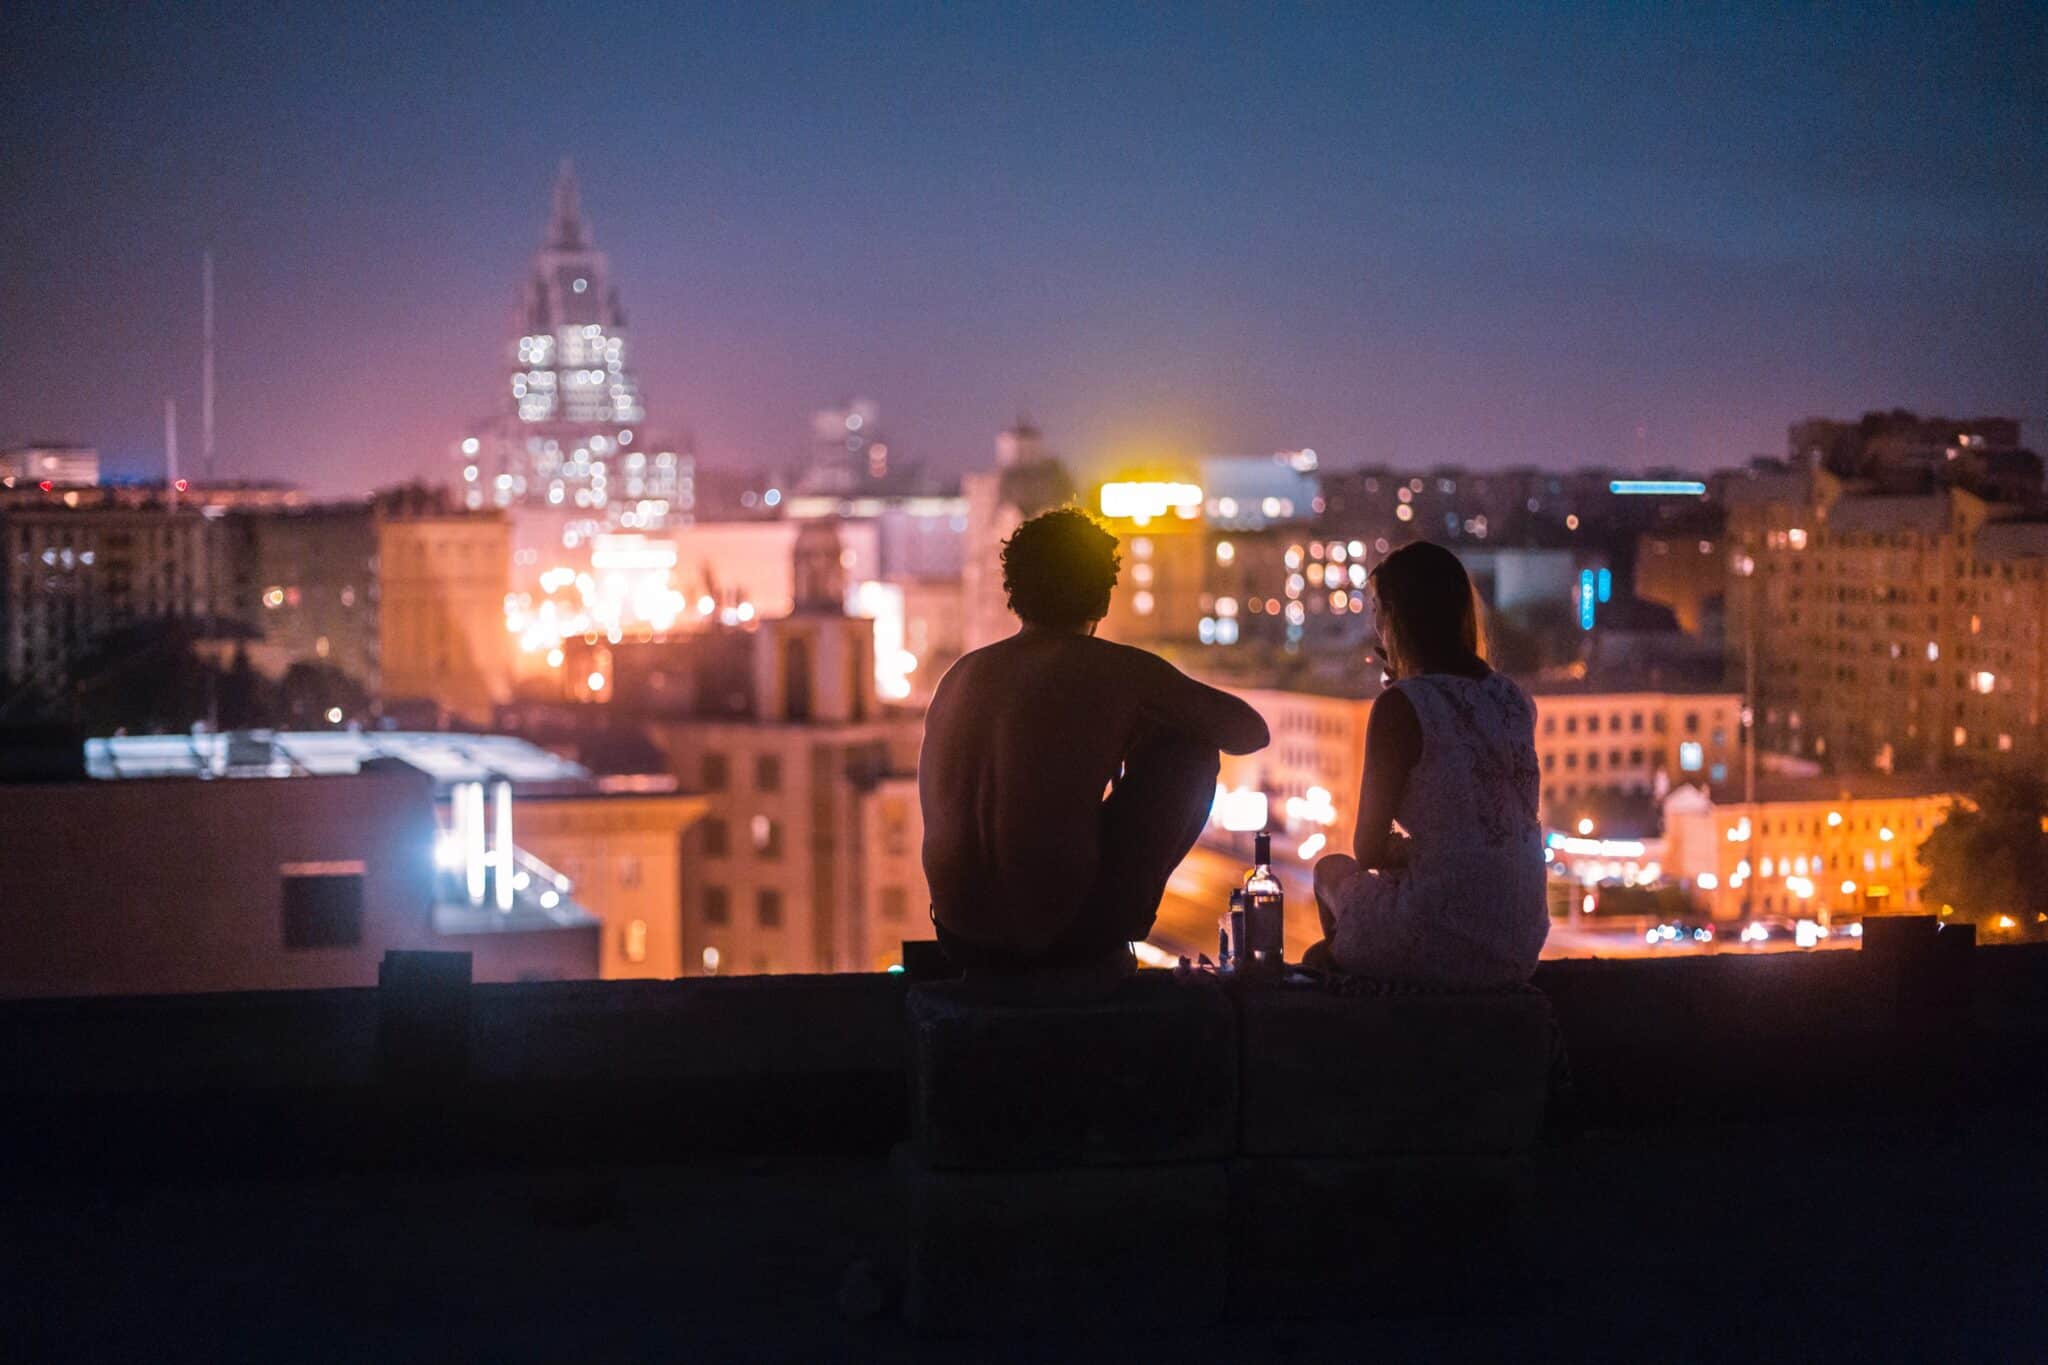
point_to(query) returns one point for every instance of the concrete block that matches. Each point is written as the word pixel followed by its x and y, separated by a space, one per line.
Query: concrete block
pixel 984 1252
pixel 1396 1073
pixel 423 1017
pixel 1390 1237
pixel 1147 1074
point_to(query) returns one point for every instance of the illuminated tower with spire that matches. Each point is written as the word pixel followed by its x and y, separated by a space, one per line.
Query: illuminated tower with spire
pixel 571 432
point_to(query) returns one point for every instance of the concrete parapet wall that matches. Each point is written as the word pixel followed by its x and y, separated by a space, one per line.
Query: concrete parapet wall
pixel 652 1070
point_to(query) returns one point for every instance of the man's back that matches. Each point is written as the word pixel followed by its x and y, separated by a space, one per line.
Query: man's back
pixel 1021 741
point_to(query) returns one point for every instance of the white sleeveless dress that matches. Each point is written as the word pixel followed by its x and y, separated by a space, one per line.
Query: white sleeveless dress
pixel 1469 908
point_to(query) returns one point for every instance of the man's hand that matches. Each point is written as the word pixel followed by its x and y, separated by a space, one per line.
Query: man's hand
pixel 1398 851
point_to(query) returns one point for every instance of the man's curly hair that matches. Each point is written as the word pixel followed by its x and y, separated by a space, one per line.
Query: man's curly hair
pixel 1059 567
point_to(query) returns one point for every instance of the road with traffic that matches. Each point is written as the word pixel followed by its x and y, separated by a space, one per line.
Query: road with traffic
pixel 1198 896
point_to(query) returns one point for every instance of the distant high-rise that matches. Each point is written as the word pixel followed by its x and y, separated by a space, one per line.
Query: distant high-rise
pixel 570 432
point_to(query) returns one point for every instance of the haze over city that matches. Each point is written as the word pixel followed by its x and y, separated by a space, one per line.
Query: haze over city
pixel 1495 240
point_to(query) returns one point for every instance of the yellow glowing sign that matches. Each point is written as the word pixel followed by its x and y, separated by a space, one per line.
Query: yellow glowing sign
pixel 1142 501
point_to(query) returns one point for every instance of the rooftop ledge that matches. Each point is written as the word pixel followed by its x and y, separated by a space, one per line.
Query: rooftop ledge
pixel 661 1069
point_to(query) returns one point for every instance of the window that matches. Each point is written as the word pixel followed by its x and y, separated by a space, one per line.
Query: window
pixel 1614 723
pixel 1692 722
pixel 768 773
pixel 1635 722
pixel 714 836
pixel 1571 725
pixel 717 905
pixel 1550 725
pixel 1690 758
pixel 767 836
pixel 633 942
pixel 895 827
pixel 323 904
pixel 768 908
pixel 1550 763
pixel 895 903
pixel 717 772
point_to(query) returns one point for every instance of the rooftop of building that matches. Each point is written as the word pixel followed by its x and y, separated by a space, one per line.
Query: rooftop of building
pixel 1873 786
pixel 1620 682
pixel 446 757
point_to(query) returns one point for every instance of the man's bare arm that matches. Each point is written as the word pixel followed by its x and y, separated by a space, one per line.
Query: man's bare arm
pixel 1211 715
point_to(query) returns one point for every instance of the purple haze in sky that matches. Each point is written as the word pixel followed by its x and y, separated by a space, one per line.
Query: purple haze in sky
pixel 1416 236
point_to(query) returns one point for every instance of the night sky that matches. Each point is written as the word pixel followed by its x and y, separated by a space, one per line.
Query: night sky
pixel 1585 236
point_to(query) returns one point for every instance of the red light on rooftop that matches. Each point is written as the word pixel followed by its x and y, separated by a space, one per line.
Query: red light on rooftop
pixel 46 485
pixel 181 485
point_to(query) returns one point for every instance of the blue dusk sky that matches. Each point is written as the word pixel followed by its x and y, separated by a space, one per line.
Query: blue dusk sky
pixel 1623 234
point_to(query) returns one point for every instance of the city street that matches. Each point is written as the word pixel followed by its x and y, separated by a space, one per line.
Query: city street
pixel 1199 895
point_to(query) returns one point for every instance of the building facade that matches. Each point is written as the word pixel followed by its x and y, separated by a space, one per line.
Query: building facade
pixel 281 861
pixel 59 465
pixel 1805 848
pixel 307 579
pixel 1028 479
pixel 1600 752
pixel 69 576
pixel 787 753
pixel 621 846
pixel 570 432
pixel 1604 750
pixel 1890 632
pixel 443 577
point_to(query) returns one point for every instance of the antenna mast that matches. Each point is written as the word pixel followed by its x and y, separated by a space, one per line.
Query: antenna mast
pixel 206 367
pixel 171 448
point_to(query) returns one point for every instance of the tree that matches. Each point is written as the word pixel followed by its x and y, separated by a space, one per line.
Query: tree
pixel 311 690
pixel 1988 859
pixel 146 676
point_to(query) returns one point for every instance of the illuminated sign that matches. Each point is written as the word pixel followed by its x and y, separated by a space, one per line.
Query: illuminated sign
pixel 1142 501
pixel 1653 488
pixel 1588 594
pixel 1596 848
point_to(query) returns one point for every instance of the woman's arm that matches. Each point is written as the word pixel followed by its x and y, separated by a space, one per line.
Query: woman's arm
pixel 1393 746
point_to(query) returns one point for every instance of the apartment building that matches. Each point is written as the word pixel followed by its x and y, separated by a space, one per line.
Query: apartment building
pixel 788 751
pixel 1601 749
pixel 1891 632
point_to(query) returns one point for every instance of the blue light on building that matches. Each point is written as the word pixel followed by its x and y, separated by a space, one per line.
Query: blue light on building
pixel 1606 581
pixel 1588 594
pixel 1651 488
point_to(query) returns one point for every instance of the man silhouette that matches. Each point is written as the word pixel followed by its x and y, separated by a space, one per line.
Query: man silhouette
pixel 1030 864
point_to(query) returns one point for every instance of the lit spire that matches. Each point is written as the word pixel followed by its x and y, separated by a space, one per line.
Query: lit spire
pixel 565 226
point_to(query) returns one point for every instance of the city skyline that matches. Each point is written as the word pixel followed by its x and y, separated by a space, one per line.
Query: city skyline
pixel 1480 241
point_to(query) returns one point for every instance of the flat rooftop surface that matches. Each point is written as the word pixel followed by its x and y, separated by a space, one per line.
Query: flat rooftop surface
pixel 446 757
pixel 1788 1241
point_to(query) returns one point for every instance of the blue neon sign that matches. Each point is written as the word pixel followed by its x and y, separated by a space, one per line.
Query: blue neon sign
pixel 1670 488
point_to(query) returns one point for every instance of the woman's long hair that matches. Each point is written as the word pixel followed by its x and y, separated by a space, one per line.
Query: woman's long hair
pixel 1429 614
